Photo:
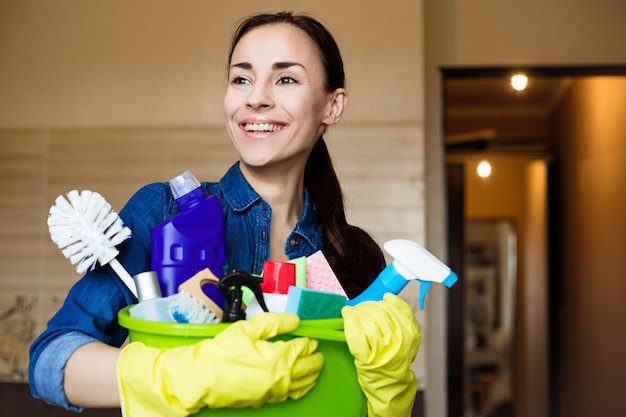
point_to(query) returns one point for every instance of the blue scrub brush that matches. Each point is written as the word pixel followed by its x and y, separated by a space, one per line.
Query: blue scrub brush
pixel 87 231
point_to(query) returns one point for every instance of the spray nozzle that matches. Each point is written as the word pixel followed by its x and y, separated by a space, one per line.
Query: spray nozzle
pixel 411 261
pixel 230 286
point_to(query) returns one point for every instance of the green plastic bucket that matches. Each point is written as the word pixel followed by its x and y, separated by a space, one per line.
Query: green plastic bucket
pixel 336 394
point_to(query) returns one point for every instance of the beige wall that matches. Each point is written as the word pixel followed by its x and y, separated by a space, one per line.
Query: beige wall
pixel 108 95
pixel 532 354
pixel 68 63
pixel 590 131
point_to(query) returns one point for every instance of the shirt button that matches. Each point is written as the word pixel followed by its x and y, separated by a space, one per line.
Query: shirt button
pixel 293 242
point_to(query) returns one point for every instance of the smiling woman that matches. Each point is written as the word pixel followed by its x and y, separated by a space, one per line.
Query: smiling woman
pixel 281 200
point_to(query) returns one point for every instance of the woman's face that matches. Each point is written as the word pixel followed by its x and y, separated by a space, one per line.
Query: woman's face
pixel 276 105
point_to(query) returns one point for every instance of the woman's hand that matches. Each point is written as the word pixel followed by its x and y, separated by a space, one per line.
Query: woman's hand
pixel 238 368
pixel 383 336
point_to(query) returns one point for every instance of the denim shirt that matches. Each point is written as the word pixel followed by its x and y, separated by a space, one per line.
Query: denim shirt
pixel 89 313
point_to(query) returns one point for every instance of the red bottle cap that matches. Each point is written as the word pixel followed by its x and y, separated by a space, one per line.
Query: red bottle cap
pixel 278 276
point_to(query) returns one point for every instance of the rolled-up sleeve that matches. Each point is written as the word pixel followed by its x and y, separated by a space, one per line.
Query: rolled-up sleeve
pixel 47 373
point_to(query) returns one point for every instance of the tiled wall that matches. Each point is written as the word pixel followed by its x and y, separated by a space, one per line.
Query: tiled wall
pixel 380 167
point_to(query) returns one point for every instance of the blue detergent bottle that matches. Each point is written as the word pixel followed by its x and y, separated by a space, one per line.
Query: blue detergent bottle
pixel 190 241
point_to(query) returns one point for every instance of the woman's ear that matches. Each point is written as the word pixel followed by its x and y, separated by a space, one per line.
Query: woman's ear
pixel 336 105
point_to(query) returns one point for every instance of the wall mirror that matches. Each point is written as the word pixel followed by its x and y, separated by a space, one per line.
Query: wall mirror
pixel 489 303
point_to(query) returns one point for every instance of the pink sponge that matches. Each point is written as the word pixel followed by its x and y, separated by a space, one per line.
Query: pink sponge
pixel 320 276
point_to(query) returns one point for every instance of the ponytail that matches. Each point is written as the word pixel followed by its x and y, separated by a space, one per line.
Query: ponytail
pixel 351 252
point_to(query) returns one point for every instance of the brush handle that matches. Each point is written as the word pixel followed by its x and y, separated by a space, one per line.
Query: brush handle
pixel 124 275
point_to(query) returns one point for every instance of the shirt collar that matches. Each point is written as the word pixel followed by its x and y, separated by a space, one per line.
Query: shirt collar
pixel 237 191
pixel 241 196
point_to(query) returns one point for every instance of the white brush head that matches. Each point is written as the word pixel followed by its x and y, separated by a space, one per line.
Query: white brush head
pixel 86 229
pixel 185 308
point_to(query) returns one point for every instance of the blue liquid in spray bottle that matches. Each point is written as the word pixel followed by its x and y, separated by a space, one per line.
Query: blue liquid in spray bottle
pixel 190 241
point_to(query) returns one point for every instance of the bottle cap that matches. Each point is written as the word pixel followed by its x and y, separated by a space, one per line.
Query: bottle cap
pixel 278 277
pixel 147 284
pixel 183 184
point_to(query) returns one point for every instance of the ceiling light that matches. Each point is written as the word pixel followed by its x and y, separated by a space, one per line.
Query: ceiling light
pixel 484 169
pixel 519 82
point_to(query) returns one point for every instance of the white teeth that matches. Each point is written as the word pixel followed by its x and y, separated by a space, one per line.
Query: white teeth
pixel 261 127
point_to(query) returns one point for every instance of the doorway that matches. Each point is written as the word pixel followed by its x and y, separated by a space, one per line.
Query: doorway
pixel 485 119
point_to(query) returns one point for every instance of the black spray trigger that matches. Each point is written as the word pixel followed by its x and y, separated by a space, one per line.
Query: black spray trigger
pixel 230 286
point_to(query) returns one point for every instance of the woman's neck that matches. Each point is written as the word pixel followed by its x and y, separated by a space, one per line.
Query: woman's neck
pixel 284 192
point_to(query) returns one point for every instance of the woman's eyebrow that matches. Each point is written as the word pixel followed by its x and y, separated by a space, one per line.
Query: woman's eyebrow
pixel 287 64
pixel 275 66
pixel 242 65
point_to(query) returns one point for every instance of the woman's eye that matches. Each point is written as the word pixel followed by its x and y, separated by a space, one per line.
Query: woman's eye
pixel 286 80
pixel 239 80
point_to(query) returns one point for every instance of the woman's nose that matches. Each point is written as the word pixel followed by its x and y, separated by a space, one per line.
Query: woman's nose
pixel 260 96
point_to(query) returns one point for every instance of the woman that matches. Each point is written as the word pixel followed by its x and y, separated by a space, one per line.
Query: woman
pixel 281 200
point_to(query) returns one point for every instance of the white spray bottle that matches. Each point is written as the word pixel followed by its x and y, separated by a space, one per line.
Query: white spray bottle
pixel 411 261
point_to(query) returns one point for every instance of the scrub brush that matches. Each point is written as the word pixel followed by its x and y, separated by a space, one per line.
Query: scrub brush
pixel 191 304
pixel 87 231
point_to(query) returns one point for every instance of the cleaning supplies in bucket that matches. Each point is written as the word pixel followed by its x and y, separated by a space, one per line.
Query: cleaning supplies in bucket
pixel 190 241
pixel 277 277
pixel 189 305
pixel 323 296
pixel 317 294
pixel 336 393
pixel 192 305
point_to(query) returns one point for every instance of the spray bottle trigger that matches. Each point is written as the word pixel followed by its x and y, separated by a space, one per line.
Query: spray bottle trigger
pixel 230 285
pixel 424 286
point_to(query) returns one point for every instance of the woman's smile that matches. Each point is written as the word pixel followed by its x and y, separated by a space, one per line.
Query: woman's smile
pixel 261 128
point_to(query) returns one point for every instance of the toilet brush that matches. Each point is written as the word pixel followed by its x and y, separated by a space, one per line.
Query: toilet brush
pixel 87 231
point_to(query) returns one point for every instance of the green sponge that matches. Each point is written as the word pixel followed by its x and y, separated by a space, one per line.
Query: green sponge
pixel 313 304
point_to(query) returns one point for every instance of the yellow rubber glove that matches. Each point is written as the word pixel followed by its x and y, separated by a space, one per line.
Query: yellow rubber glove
pixel 383 336
pixel 238 368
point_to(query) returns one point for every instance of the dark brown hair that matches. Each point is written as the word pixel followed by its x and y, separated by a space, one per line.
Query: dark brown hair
pixel 353 255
